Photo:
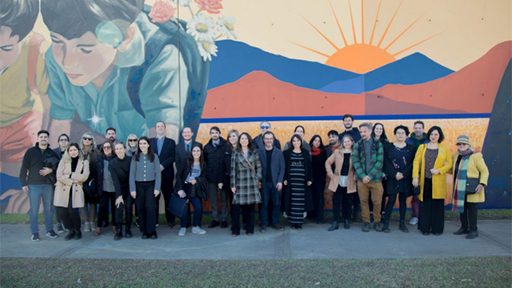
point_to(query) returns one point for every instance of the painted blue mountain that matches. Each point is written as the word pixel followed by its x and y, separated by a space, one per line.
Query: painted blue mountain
pixel 236 59
pixel 413 69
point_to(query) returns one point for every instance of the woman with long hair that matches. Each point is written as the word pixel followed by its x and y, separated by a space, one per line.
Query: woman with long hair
pixel 105 187
pixel 431 163
pixel 72 172
pixel 297 179
pixel 318 157
pixel 245 184
pixel 191 183
pixel 89 211
pixel 145 180
pixel 342 183
pixel 232 146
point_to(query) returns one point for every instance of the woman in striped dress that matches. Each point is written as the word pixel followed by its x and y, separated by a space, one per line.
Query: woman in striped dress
pixel 297 181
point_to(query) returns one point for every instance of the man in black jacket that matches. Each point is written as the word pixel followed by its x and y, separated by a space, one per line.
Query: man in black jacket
pixel 214 161
pixel 184 147
pixel 120 171
pixel 272 170
pixel 257 142
pixel 37 177
pixel 165 148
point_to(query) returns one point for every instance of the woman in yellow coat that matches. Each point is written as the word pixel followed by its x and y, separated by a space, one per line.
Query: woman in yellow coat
pixel 469 171
pixel 72 172
pixel 431 163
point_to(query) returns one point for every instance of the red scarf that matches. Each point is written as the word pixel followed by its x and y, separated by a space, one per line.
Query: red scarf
pixel 315 151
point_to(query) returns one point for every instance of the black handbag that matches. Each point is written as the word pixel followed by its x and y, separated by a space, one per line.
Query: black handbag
pixel 178 206
pixel 471 184
pixel 416 190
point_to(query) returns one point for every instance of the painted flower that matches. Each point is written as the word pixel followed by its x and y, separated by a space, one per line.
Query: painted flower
pixel 226 26
pixel 162 11
pixel 210 6
pixel 207 49
pixel 201 28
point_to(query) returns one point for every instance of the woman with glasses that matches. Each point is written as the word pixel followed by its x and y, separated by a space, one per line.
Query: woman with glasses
pixel 89 153
pixel 431 163
pixel 145 181
pixel 131 145
pixel 105 187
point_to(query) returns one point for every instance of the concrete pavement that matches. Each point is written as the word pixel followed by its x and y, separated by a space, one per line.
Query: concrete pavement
pixel 312 242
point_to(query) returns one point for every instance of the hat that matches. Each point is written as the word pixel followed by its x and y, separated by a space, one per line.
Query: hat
pixel 463 139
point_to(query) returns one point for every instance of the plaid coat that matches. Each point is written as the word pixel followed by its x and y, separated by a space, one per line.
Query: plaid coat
pixel 377 160
pixel 245 177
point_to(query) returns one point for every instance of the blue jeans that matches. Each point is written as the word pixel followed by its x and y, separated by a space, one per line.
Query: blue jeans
pixel 270 194
pixel 198 213
pixel 35 193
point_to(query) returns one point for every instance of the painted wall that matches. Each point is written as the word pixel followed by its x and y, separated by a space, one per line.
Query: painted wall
pixel 290 62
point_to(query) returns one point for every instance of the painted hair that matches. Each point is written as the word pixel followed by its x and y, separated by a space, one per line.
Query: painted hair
pixel 108 20
pixel 19 15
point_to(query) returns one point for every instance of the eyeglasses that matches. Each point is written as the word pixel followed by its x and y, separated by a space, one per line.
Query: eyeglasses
pixel 461 144
pixel 132 140
pixel 87 138
pixel 264 127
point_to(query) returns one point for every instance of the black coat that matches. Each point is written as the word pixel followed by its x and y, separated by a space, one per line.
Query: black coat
pixel 167 157
pixel 257 143
pixel 35 160
pixel 404 185
pixel 214 160
pixel 182 154
pixel 309 177
pixel 197 190
pixel 120 171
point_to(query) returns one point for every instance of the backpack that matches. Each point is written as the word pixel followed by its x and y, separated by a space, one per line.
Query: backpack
pixel 172 33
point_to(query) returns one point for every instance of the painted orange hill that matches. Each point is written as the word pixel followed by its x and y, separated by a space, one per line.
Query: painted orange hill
pixel 469 90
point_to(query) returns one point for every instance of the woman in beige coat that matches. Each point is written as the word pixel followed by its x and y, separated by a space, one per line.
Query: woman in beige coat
pixel 72 172
pixel 342 181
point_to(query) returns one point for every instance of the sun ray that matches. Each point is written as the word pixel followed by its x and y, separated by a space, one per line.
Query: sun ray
pixel 312 50
pixel 375 23
pixel 401 34
pixel 362 21
pixel 323 35
pixel 414 45
pixel 389 24
pixel 339 25
pixel 352 21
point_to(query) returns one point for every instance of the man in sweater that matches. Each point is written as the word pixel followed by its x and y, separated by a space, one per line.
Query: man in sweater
pixel 120 171
pixel 367 158
pixel 214 161
pixel 37 177
pixel 165 148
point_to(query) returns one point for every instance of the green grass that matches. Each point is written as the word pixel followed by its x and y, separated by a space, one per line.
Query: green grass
pixel 438 272
pixel 483 214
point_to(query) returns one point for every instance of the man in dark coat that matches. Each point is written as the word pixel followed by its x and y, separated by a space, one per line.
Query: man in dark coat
pixel 257 142
pixel 165 148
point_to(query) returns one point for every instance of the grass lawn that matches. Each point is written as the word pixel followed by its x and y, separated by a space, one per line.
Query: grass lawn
pixel 483 214
pixel 440 272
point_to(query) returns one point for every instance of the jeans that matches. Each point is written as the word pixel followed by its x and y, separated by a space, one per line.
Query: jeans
pixel 36 193
pixel 198 213
pixel 270 195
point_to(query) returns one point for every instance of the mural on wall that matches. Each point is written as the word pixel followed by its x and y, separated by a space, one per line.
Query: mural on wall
pixel 125 65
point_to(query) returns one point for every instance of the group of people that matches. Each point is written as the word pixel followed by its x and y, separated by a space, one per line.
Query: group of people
pixel 364 170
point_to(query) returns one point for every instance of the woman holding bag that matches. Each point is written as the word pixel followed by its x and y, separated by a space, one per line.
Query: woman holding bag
pixel 470 178
pixel 343 182
pixel 191 182
pixel 72 172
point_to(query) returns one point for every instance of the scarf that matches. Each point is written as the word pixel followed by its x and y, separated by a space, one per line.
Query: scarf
pixel 315 151
pixel 459 193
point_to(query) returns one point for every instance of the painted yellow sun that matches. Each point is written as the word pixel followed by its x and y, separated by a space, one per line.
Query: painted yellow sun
pixel 362 56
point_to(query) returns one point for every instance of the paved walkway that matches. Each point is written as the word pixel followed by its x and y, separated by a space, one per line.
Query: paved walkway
pixel 312 242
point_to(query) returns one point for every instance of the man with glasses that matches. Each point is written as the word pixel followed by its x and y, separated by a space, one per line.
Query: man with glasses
pixel 37 177
pixel 257 142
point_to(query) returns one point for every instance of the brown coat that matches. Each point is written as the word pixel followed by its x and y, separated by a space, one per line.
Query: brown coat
pixel 337 158
pixel 65 178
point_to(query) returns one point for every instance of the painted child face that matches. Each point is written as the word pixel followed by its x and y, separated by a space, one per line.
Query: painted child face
pixel 10 48
pixel 73 152
pixel 83 59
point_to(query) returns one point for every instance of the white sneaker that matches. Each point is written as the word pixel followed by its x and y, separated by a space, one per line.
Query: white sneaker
pixel 87 227
pixel 413 221
pixel 198 230
pixel 93 226
pixel 183 231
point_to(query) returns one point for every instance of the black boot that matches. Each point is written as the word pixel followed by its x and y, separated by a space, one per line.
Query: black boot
pixel 70 235
pixel 403 227
pixel 128 233
pixel 119 234
pixel 78 235
pixel 461 231
pixel 385 227
pixel 346 224
pixel 334 226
